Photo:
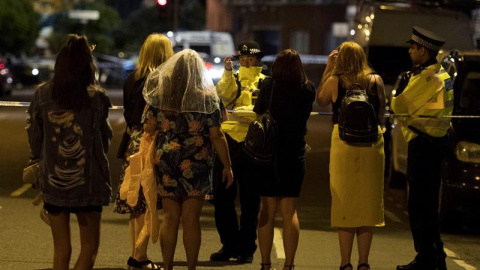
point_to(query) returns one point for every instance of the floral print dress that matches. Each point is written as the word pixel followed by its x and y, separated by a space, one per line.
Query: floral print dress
pixel 183 151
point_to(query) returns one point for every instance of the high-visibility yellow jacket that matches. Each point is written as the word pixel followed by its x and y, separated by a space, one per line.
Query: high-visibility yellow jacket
pixel 429 93
pixel 237 124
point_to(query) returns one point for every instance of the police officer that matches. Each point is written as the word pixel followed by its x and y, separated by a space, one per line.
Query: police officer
pixel 238 92
pixel 428 92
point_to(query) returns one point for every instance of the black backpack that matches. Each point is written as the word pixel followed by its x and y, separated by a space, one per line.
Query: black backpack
pixel 260 142
pixel 357 119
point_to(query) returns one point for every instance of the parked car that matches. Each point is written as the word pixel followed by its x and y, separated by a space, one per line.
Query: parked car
pixel 6 78
pixel 460 190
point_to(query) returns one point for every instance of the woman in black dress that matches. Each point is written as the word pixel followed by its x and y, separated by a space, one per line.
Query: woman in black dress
pixel 291 104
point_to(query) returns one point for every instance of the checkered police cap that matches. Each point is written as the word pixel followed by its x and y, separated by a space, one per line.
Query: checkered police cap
pixel 249 48
pixel 426 39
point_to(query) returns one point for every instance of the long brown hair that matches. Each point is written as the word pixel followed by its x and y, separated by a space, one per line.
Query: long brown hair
pixel 288 67
pixel 74 72
pixel 352 65
pixel 156 49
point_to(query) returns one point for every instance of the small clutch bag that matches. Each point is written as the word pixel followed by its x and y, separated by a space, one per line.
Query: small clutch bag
pixel 31 174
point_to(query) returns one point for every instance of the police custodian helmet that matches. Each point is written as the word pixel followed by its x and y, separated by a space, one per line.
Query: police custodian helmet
pixel 426 39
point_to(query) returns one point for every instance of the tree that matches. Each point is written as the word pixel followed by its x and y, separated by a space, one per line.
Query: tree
pixel 192 15
pixel 99 32
pixel 18 26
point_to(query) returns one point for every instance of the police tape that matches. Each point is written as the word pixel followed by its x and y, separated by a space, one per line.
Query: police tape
pixel 26 104
pixel 387 115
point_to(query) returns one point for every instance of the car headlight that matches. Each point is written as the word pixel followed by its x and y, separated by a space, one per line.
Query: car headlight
pixel 215 73
pixel 467 152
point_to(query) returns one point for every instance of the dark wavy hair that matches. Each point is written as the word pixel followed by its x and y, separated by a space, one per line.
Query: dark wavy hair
pixel 74 72
pixel 288 67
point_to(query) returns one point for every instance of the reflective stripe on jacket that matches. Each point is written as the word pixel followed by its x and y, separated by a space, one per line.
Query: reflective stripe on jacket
pixel 237 124
pixel 429 93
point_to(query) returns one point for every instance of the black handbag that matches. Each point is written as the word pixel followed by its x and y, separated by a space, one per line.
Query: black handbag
pixel 122 149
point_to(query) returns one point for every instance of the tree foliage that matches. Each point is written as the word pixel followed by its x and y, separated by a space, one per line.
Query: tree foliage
pixel 99 32
pixel 157 19
pixel 18 26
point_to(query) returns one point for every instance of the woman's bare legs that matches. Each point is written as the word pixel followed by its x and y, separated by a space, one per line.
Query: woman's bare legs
pixel 291 228
pixel 169 230
pixel 364 242
pixel 345 239
pixel 89 224
pixel 192 235
pixel 62 247
pixel 268 210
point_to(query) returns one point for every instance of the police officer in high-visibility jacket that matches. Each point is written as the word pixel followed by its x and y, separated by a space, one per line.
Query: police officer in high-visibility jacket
pixel 238 91
pixel 427 97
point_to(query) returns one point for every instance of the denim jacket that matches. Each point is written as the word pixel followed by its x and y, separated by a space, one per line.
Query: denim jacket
pixel 72 147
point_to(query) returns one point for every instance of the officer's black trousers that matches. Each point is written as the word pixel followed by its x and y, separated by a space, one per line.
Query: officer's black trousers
pixel 238 237
pixel 425 155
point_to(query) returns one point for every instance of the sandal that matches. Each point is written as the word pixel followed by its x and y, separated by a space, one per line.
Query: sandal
pixel 136 265
pixel 343 267
pixel 363 265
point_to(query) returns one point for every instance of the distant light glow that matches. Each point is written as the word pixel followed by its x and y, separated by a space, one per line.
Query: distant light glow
pixel 35 72
pixel 217 60
pixel 352 32
pixel 162 2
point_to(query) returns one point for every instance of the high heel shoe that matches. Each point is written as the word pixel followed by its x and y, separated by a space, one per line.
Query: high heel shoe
pixel 266 266
pixel 363 265
pixel 136 265
pixel 290 267
pixel 344 267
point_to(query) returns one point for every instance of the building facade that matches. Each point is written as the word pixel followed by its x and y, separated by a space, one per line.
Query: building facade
pixel 308 26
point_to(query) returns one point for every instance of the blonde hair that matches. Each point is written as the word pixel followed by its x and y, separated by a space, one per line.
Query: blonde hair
pixel 156 49
pixel 351 65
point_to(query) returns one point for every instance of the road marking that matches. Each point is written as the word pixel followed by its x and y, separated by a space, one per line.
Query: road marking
pixel 465 265
pixel 392 216
pixel 278 243
pixel 451 254
pixel 21 190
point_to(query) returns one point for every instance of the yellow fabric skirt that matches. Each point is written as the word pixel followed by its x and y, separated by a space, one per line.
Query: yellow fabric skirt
pixel 356 183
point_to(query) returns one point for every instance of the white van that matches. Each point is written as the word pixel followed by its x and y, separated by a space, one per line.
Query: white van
pixel 382 29
pixel 212 46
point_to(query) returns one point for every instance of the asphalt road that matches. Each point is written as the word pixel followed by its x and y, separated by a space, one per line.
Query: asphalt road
pixel 26 241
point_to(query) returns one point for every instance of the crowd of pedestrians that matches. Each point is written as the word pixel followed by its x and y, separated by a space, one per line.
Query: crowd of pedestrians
pixel 183 145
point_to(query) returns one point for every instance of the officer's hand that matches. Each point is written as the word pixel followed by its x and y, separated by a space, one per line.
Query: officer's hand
pixel 228 63
pixel 402 84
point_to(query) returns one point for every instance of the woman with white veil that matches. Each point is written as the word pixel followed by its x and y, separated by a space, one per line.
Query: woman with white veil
pixel 183 117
